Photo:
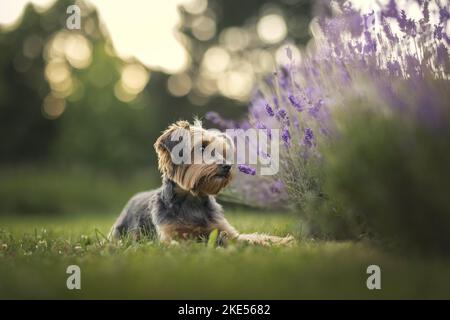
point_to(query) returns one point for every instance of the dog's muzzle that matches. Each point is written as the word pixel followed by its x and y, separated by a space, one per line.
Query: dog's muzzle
pixel 224 170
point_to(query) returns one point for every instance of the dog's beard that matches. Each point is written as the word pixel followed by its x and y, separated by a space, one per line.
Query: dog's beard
pixel 201 178
pixel 213 185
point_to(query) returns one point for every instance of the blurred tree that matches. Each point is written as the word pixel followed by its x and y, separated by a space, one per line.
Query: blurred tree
pixel 66 98
pixel 234 43
pixel 24 133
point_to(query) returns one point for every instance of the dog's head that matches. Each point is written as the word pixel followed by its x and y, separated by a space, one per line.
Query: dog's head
pixel 198 160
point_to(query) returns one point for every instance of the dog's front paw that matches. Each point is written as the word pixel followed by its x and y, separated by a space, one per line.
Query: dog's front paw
pixel 266 240
pixel 288 240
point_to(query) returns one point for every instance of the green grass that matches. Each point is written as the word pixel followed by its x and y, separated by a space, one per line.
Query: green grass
pixel 35 252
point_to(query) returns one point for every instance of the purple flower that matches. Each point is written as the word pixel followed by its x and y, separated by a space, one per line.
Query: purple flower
pixel 314 111
pixel 212 116
pixel 275 101
pixel 330 28
pixel 268 80
pixel 269 110
pixel 371 43
pixel 286 136
pixel 412 64
pixel 444 15
pixel 263 154
pixel 277 187
pixel 426 11
pixel 391 10
pixel 411 28
pixel 388 32
pixel 295 103
pixel 247 169
pixel 358 46
pixel 284 77
pixel 215 118
pixel 308 138
pixel 355 23
pixel 260 125
pixel 408 26
pixel 394 68
pixel 369 20
pixel 442 57
pixel 296 124
pixel 345 74
pixel 282 114
pixel 438 32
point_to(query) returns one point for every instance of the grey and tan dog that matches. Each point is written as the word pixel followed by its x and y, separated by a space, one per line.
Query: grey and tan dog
pixel 185 206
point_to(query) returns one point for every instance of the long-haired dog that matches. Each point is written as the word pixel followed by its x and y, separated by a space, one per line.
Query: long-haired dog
pixel 185 205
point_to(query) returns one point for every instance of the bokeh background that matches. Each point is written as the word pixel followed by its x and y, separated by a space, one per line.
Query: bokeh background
pixel 80 109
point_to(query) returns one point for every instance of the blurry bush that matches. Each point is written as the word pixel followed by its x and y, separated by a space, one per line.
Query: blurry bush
pixel 364 121
pixel 392 173
pixel 28 190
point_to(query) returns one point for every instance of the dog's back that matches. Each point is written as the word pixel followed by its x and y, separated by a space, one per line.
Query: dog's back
pixel 135 219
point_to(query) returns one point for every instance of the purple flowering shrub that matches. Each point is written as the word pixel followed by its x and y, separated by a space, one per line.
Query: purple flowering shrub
pixel 367 75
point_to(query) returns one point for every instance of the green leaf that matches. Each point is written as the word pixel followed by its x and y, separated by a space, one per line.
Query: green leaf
pixel 213 238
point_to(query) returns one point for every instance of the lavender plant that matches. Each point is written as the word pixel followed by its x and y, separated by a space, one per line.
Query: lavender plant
pixel 380 65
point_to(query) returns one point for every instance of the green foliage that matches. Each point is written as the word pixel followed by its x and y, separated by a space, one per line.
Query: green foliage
pixel 323 216
pixel 392 173
pixel 57 190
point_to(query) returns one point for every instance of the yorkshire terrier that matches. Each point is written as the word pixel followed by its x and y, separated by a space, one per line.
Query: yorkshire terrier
pixel 184 207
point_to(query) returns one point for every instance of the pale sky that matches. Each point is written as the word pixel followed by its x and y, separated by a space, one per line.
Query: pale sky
pixel 145 29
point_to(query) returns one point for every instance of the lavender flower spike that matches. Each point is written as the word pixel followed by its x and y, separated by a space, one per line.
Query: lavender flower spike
pixel 269 110
pixel 282 113
pixel 247 169
pixel 286 136
pixel 308 139
pixel 295 102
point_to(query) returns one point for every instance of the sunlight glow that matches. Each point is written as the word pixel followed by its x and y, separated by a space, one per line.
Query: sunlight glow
pixel 53 107
pixel 234 38
pixel 216 59
pixel 11 11
pixel 134 78
pixel 272 28
pixel 179 84
pixel 146 30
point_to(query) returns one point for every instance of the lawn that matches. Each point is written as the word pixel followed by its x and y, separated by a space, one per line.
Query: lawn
pixel 35 252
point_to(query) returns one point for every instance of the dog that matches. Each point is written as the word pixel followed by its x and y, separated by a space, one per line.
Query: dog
pixel 184 207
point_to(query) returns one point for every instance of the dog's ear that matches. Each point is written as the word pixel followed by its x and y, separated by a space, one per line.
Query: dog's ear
pixel 171 140
pixel 172 136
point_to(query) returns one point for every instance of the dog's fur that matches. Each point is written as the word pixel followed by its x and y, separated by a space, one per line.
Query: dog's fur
pixel 185 206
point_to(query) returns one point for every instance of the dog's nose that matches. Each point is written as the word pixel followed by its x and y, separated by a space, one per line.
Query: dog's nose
pixel 226 167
